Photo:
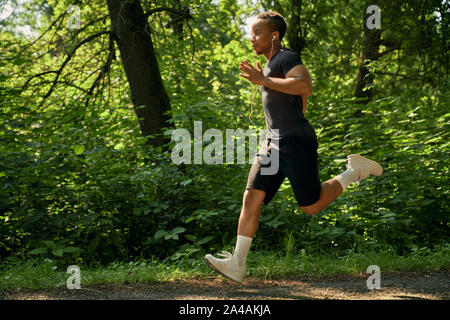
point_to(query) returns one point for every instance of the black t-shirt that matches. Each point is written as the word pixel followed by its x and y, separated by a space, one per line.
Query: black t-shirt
pixel 284 111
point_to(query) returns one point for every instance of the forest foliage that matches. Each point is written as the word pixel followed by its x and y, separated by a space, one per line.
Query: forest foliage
pixel 78 182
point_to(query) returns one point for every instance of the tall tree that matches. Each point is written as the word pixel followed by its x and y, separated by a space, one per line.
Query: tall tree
pixel 414 30
pixel 369 53
pixel 293 12
pixel 295 34
pixel 132 34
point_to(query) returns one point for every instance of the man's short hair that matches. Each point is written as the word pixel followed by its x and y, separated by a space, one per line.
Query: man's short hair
pixel 276 22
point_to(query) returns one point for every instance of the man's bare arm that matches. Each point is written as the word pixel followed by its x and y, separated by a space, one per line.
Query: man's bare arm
pixel 297 81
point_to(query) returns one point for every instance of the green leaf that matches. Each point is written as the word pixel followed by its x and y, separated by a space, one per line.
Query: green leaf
pixel 49 243
pixel 58 252
pixel 185 182
pixel 284 205
pixel 205 240
pixel 93 245
pixel 78 149
pixel 38 251
pixel 426 202
pixel 171 236
pixel 71 249
pixel 119 146
pixel 159 234
pixel 190 237
pixel 177 230
pixel 19 61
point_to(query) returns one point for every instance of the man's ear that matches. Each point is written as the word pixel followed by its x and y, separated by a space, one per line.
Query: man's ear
pixel 277 35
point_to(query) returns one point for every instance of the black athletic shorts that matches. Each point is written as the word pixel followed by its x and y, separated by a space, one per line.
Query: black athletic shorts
pixel 298 161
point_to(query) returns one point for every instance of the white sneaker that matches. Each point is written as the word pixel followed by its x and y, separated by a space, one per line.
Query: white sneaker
pixel 366 167
pixel 228 267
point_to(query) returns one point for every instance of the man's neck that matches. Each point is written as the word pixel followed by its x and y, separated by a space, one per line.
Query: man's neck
pixel 272 52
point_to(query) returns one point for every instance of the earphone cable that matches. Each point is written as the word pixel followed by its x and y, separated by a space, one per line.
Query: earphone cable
pixel 256 88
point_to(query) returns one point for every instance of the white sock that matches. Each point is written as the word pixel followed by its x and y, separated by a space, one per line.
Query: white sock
pixel 347 177
pixel 241 250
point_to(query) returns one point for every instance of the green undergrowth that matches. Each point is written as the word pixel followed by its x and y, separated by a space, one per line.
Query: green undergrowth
pixel 16 274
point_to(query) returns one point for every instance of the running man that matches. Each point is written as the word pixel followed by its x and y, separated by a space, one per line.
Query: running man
pixel 285 85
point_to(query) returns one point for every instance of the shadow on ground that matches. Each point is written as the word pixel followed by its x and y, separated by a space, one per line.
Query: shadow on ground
pixel 398 286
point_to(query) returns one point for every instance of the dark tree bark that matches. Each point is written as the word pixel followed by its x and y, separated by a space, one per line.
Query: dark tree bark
pixel 177 21
pixel 131 32
pixel 294 33
pixel 370 52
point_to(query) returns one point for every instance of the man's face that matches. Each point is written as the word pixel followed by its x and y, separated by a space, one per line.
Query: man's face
pixel 261 36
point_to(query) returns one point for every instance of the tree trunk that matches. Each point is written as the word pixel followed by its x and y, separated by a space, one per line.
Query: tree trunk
pixel 294 33
pixel 370 52
pixel 133 38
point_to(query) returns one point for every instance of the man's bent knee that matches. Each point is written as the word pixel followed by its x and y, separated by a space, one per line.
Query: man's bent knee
pixel 253 197
pixel 311 210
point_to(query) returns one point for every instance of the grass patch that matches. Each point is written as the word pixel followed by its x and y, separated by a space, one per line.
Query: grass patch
pixel 43 274
pixel 30 274
pixel 268 265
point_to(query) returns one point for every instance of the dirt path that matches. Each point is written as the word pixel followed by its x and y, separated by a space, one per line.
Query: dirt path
pixel 404 286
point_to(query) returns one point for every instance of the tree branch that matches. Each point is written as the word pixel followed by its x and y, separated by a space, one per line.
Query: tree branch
pixel 185 12
pixel 404 76
pixel 387 51
pixel 35 76
pixel 69 56
pixel 104 69
pixel 40 37
pixel 60 82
